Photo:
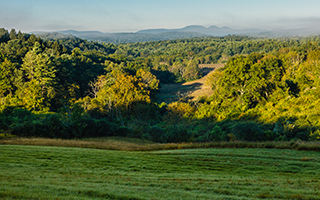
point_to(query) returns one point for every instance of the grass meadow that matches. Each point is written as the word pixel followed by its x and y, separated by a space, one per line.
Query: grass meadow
pixel 50 172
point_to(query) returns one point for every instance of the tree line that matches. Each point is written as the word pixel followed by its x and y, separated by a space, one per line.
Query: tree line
pixel 71 87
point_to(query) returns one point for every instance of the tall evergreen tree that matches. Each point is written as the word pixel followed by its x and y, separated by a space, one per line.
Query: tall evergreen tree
pixel 7 69
pixel 40 72
pixel 13 34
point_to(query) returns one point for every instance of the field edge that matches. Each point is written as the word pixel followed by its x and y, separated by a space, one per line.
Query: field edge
pixel 133 144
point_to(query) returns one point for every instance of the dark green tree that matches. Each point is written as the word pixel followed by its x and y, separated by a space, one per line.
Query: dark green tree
pixel 7 70
pixel 4 35
pixel 13 34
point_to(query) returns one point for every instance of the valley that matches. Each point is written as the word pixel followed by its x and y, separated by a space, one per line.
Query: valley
pixel 190 91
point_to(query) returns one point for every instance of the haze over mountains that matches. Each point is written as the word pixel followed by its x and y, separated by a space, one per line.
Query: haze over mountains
pixel 211 30
pixel 169 34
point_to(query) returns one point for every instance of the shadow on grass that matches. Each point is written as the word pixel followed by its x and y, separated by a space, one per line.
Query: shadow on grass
pixel 174 92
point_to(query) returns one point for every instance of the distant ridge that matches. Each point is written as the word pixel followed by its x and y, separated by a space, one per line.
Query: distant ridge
pixel 84 34
pixel 54 35
pixel 191 31
pixel 149 34
pixel 117 38
pixel 211 30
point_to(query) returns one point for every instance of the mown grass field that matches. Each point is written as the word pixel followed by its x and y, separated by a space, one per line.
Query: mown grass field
pixel 42 172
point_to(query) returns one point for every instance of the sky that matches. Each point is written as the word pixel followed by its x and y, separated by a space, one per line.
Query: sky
pixel 133 15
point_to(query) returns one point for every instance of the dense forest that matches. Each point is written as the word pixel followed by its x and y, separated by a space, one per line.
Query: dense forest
pixel 269 89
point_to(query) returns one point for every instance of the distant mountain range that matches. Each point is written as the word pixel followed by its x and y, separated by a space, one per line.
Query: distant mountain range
pixel 212 30
pixel 169 34
pixel 117 38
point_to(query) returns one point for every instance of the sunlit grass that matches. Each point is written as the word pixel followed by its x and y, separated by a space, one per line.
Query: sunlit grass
pixel 34 172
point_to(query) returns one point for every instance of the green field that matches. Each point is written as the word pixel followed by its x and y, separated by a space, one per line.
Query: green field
pixel 34 172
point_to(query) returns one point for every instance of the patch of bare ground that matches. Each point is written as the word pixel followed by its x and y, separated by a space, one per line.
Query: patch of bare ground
pixel 190 90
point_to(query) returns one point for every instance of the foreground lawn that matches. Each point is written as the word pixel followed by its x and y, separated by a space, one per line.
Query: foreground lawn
pixel 40 172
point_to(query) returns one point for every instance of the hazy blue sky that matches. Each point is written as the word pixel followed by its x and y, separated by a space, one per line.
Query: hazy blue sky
pixel 133 15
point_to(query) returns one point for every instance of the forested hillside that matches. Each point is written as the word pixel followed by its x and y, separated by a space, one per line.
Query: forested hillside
pixel 73 88
pixel 118 38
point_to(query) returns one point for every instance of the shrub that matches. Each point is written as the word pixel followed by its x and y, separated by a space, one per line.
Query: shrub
pixel 18 112
pixel 178 111
pixel 5 122
pixel 123 131
pixel 215 135
pixel 314 136
pixel 144 111
pixel 139 128
pixel 155 134
pixel 54 127
pixel 31 129
pixel 177 133
pixel 50 127
pixel 248 131
pixel 88 127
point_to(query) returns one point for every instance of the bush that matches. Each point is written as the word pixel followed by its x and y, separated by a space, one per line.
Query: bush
pixel 15 111
pixel 50 127
pixel 96 113
pixel 30 129
pixel 123 131
pixel 155 134
pixel 215 135
pixel 5 122
pixel 248 131
pixel 177 133
pixel 99 128
pixel 54 127
pixel 144 111
pixel 315 136
pixel 171 134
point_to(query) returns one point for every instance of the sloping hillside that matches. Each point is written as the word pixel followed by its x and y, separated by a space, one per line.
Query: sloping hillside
pixel 190 90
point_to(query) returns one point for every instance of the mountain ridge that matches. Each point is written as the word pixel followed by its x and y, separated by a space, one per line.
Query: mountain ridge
pixel 191 31
pixel 117 38
pixel 211 30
